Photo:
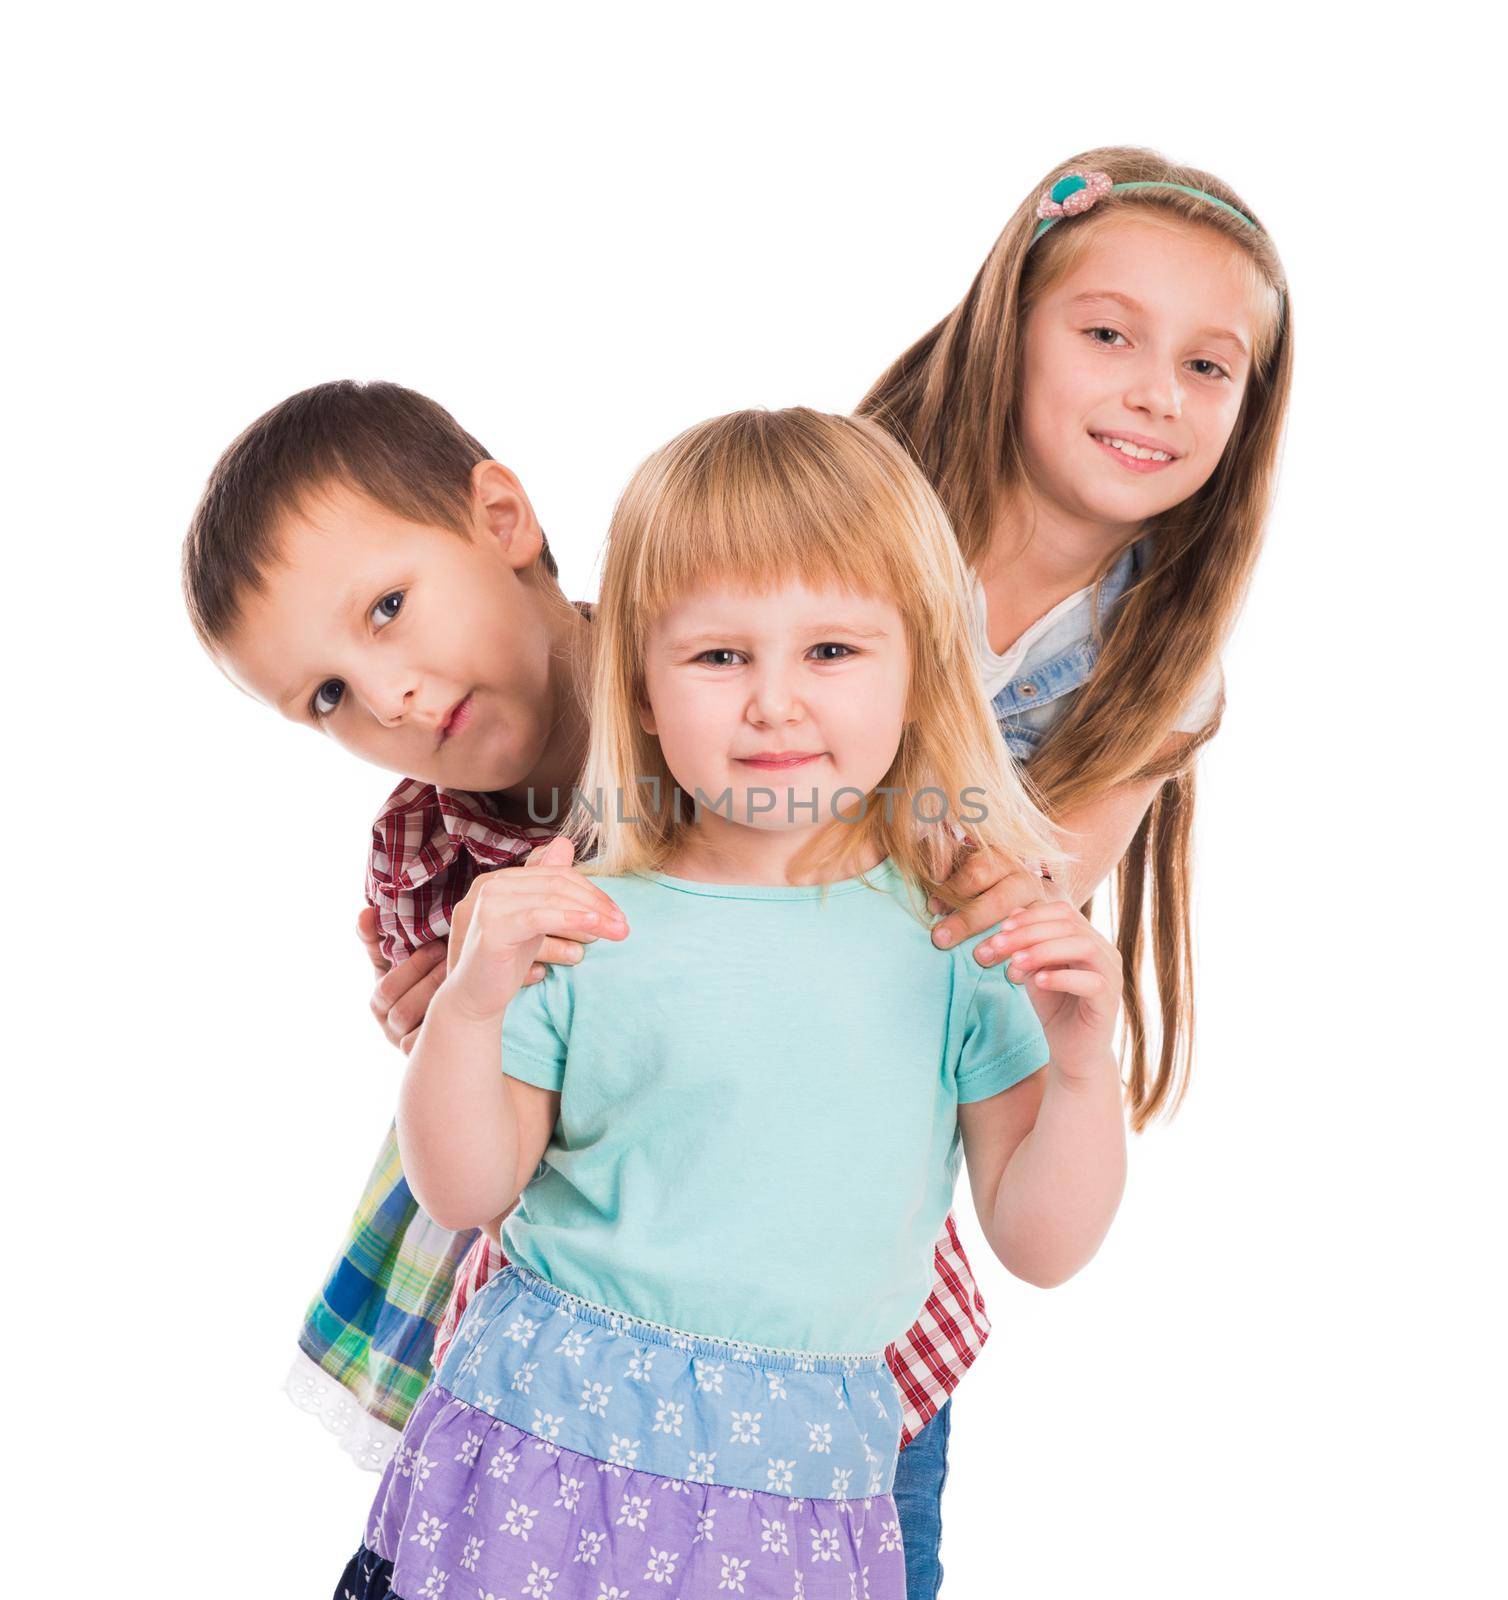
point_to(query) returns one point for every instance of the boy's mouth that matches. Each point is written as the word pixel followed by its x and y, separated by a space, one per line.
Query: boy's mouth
pixel 460 715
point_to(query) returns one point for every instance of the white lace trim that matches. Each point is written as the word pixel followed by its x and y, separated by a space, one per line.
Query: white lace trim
pixel 368 1442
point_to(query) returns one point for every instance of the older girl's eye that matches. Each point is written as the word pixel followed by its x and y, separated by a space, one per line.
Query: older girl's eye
pixel 1115 333
pixel 387 607
pixel 326 697
pixel 1212 369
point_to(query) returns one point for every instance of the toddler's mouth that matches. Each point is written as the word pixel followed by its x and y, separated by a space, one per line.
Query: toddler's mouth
pixel 778 761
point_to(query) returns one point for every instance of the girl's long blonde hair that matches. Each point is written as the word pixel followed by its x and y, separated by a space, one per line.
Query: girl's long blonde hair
pixel 953 399
pixel 765 498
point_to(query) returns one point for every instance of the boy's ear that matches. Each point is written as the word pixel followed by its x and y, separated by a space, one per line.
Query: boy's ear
pixel 503 513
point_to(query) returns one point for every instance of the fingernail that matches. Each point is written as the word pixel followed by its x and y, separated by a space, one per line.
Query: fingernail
pixel 943 935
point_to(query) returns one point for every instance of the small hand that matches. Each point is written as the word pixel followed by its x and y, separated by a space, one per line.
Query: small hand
pixel 1073 976
pixel 367 932
pixel 986 887
pixel 405 988
pixel 562 949
pixel 499 930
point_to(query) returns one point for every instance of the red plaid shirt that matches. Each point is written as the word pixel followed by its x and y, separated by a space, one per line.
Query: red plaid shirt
pixel 428 846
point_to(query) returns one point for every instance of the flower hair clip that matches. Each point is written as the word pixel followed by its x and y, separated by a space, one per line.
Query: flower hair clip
pixel 1073 193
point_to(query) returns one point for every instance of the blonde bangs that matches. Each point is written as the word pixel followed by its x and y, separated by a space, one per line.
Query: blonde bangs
pixel 758 500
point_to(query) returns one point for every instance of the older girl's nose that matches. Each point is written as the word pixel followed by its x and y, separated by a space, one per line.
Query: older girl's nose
pixel 1157 391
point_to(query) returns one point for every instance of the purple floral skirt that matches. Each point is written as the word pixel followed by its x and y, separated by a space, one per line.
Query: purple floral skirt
pixel 568 1452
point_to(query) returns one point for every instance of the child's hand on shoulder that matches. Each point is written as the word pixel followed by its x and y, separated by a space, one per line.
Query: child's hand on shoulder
pixel 499 931
pixel 986 887
pixel 1073 976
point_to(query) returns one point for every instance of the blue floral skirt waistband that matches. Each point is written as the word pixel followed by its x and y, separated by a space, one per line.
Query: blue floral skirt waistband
pixel 653 1399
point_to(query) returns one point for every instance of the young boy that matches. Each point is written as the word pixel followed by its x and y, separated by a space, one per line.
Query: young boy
pixel 363 566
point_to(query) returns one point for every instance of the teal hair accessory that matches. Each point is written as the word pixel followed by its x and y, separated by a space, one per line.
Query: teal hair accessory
pixel 1075 192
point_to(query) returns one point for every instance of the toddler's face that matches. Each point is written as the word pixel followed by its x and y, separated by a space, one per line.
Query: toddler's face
pixel 411 647
pixel 799 692
pixel 1147 341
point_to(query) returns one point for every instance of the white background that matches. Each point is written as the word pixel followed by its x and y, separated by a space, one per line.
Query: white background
pixel 581 230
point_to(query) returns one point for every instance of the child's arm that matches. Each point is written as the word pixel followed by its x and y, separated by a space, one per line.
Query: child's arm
pixel 987 888
pixel 405 988
pixel 1047 1157
pixel 470 1136
pixel 1099 834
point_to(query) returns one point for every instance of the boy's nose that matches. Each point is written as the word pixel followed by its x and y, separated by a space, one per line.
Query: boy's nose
pixel 392 702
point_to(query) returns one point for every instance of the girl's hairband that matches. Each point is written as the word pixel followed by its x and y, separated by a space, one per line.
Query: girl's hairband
pixel 1075 192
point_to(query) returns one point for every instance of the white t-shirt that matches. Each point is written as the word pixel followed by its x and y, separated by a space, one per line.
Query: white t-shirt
pixel 997 669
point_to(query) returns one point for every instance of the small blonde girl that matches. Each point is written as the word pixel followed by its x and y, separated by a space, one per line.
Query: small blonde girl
pixel 734 1127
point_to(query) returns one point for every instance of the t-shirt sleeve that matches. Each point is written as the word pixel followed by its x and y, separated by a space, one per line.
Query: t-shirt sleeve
pixel 1002 1040
pixel 537 1030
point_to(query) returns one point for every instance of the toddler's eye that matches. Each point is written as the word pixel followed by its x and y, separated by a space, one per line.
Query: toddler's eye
pixel 387 607
pixel 718 650
pixel 326 697
pixel 832 644
pixel 1115 333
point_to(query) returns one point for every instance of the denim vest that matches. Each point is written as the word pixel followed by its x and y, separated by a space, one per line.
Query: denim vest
pixel 1059 663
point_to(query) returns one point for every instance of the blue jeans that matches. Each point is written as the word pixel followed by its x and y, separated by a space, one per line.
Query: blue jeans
pixel 919 1477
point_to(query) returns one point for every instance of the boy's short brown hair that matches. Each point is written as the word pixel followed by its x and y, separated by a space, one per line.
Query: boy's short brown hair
pixel 393 445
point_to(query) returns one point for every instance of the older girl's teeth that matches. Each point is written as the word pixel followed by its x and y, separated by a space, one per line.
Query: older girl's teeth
pixel 1134 450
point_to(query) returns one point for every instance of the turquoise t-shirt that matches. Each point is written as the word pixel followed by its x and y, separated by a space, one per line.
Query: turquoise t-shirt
pixel 758 1134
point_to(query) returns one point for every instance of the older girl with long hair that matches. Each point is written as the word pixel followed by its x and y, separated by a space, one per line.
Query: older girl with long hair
pixel 1101 415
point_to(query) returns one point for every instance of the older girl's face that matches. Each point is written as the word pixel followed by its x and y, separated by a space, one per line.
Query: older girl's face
pixel 1134 367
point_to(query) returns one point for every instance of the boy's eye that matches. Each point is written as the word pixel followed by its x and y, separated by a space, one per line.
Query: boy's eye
pixel 387 607
pixel 326 697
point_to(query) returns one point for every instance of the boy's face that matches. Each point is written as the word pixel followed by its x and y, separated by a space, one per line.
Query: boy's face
pixel 410 646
